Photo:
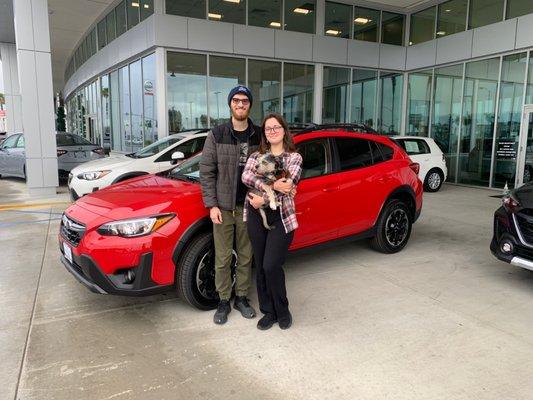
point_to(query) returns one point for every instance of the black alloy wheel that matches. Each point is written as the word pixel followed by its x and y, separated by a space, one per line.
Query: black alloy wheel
pixel 393 228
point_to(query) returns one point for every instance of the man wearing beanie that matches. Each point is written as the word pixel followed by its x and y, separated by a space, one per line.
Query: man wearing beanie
pixel 226 150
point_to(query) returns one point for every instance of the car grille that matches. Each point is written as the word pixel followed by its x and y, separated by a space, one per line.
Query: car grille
pixel 71 230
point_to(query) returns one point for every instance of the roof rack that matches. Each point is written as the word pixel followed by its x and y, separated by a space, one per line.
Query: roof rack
pixel 350 127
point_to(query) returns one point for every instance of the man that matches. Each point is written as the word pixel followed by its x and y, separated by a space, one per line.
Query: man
pixel 225 153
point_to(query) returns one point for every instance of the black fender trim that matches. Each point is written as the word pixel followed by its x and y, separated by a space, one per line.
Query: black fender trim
pixel 200 225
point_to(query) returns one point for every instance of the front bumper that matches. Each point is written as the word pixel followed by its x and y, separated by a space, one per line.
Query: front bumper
pixel 87 272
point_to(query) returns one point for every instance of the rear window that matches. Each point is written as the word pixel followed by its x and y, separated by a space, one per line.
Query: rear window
pixel 414 147
pixel 353 153
pixel 67 139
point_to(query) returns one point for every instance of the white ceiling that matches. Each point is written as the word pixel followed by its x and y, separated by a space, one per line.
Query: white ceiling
pixel 70 19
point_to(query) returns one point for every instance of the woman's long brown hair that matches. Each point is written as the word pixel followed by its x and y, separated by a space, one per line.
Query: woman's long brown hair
pixel 288 144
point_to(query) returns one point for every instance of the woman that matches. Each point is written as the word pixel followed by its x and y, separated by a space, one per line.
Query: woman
pixel 270 247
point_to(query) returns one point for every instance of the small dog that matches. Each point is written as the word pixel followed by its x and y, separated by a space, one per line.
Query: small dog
pixel 269 169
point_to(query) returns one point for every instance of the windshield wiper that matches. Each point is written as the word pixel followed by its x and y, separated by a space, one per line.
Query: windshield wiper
pixel 184 177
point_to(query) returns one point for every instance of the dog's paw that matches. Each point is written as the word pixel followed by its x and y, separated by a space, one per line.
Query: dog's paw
pixel 273 205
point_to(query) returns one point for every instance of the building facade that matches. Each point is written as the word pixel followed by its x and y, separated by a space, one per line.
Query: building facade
pixel 458 71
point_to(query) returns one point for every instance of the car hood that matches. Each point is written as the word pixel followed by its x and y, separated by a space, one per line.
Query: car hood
pixel 140 197
pixel 112 162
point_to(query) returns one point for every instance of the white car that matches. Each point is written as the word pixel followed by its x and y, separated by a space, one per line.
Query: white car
pixel 424 151
pixel 157 157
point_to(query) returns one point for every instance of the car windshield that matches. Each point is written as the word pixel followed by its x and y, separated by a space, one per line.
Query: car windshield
pixel 68 139
pixel 188 169
pixel 158 146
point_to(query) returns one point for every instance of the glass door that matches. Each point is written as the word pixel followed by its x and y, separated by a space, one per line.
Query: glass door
pixel 524 167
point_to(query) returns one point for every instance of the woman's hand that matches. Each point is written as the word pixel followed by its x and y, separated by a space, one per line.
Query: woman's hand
pixel 255 200
pixel 283 186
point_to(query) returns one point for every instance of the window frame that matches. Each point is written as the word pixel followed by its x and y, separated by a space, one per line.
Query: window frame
pixel 330 157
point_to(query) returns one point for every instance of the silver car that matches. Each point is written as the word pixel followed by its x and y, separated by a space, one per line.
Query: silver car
pixel 72 150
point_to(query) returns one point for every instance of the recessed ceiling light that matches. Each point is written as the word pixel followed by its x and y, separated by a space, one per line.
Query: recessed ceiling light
pixel 410 43
pixel 441 33
pixel 332 32
pixel 447 10
pixel 214 16
pixel 233 1
pixel 147 6
pixel 361 20
pixel 275 24
pixel 299 10
pixel 134 4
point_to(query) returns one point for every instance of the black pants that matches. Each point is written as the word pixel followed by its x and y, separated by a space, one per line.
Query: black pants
pixel 270 250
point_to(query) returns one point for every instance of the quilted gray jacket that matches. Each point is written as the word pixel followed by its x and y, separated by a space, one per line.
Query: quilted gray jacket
pixel 219 167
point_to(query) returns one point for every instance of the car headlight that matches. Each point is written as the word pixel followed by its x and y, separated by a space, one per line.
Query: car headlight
pixel 93 175
pixel 134 227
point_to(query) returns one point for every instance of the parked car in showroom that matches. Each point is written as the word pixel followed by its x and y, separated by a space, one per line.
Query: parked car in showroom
pixel 153 233
pixel 72 150
pixel 512 239
pixel 156 157
pixel 424 151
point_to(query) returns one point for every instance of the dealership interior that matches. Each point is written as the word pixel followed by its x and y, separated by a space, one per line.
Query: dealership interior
pixel 442 319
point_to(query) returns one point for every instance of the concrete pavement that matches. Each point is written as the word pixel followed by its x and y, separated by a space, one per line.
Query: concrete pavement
pixel 443 319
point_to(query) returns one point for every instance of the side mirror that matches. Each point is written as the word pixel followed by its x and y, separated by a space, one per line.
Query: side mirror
pixel 177 156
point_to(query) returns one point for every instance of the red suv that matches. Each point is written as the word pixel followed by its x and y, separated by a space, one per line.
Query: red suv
pixel 152 233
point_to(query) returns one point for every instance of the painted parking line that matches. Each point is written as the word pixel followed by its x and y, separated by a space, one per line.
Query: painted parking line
pixel 30 212
pixel 33 205
pixel 6 224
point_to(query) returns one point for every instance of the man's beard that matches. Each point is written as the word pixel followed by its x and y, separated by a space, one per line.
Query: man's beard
pixel 244 116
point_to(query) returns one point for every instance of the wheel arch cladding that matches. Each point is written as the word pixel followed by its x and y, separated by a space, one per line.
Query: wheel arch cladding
pixel 202 225
pixel 405 194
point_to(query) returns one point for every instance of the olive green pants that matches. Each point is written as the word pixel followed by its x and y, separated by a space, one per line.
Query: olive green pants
pixel 232 226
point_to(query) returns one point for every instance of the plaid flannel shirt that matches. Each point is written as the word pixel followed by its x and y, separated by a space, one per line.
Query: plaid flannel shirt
pixel 293 163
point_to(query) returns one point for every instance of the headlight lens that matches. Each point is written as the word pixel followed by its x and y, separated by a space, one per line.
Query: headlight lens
pixel 93 175
pixel 135 227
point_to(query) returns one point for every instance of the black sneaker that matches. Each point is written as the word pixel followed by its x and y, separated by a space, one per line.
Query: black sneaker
pixel 285 322
pixel 241 304
pixel 266 322
pixel 221 315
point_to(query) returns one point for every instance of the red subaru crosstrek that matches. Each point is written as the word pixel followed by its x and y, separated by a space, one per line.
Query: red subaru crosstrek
pixel 152 233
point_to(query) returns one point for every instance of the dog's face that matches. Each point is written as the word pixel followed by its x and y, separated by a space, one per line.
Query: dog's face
pixel 266 164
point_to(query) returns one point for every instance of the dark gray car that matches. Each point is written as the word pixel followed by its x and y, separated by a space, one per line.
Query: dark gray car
pixel 72 150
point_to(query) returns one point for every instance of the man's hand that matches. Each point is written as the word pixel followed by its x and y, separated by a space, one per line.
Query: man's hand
pixel 282 186
pixel 255 200
pixel 215 215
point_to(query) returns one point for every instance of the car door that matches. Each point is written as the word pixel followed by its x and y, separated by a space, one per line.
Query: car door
pixel 315 199
pixel 188 148
pixel 361 182
pixel 6 155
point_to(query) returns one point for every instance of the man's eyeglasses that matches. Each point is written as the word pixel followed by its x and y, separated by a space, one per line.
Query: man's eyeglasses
pixel 273 129
pixel 244 102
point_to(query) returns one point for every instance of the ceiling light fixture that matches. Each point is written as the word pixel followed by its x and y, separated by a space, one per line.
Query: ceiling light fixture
pixel 275 24
pixel 441 33
pixel 214 16
pixel 299 10
pixel 333 32
pixel 147 6
pixel 233 1
pixel 447 10
pixel 134 4
pixel 362 20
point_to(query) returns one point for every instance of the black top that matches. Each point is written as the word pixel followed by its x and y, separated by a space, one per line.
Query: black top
pixel 242 138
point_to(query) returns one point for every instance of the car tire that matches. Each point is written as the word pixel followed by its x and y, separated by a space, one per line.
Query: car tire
pixel 393 228
pixel 433 181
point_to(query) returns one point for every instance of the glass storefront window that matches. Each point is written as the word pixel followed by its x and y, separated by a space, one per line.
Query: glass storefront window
pixel 338 20
pixel 422 26
pixel 136 90
pixel 300 15
pixel 105 112
pixel 390 103
pixel 479 102
pixel 92 41
pixel 102 34
pixel 364 92
pixel 529 87
pixel 227 11
pixel 120 15
pixel 485 12
pixel 116 116
pixel 147 8
pixel 110 26
pixel 516 8
pixel 451 17
pixel 447 113
pixel 224 74
pixel 509 116
pixel 418 103
pixel 150 100
pixel 366 24
pixel 133 7
pixel 190 8
pixel 186 91
pixel 298 83
pixel 264 13
pixel 264 80
pixel 335 95
pixel 125 138
pixel 392 28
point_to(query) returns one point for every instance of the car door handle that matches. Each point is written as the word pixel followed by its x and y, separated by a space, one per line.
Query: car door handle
pixel 330 189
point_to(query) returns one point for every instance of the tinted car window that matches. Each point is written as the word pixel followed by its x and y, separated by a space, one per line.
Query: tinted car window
pixel 67 139
pixel 414 147
pixel 188 148
pixel 10 142
pixel 315 157
pixel 158 146
pixel 386 151
pixel 353 153
pixel 20 142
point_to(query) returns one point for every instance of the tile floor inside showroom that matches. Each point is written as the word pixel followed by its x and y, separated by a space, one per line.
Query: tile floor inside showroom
pixel 443 319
